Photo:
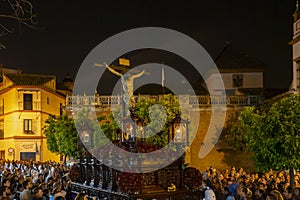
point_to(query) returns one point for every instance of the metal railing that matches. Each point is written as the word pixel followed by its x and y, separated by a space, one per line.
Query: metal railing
pixel 200 100
pixel 34 105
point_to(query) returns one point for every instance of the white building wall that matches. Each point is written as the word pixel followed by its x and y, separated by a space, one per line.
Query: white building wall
pixel 295 85
pixel 296 54
pixel 253 80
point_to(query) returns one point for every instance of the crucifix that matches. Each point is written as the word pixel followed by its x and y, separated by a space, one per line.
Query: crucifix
pixel 127 80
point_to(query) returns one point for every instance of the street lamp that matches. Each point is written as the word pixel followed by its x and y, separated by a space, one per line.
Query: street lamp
pixel 140 130
pixel 178 131
pixel 86 138
pixel 86 135
pixel 128 132
pixel 133 129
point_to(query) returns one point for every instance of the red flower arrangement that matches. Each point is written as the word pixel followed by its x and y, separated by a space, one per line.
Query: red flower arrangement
pixel 130 182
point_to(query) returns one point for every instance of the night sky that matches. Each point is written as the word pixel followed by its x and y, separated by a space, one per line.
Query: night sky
pixel 69 30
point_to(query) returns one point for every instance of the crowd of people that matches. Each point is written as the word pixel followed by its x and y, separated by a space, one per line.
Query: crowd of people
pixel 49 181
pixel 34 181
pixel 237 184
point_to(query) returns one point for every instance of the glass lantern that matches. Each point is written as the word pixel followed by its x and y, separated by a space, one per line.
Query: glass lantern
pixel 178 131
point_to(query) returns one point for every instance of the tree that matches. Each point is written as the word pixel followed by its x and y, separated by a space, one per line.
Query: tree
pixel 148 110
pixel 61 135
pixel 272 133
pixel 235 136
pixel 16 13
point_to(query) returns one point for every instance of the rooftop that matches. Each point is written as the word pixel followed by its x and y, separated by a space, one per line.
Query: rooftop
pixel 30 79
pixel 235 59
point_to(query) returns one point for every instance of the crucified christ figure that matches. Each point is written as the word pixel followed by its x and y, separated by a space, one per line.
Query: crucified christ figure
pixel 127 83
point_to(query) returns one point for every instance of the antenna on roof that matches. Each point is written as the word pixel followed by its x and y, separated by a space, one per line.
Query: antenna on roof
pixel 221 53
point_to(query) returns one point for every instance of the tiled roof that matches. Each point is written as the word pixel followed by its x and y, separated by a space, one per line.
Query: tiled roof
pixel 232 58
pixel 30 79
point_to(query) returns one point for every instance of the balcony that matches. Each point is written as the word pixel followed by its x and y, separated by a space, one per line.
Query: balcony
pixel 296 28
pixel 35 105
pixel 193 101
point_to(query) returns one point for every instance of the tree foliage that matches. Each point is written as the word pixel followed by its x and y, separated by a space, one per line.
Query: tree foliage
pixel 273 134
pixel 61 135
pixel 151 110
pixel 234 132
pixel 148 110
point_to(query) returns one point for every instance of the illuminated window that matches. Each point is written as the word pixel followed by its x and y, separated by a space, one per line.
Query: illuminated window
pixel 28 125
pixel 27 102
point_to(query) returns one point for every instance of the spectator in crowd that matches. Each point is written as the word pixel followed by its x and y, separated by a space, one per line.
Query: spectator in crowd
pixel 26 194
pixel 39 180
pixel 259 194
pixel 18 192
pixel 81 196
pixel 58 191
pixel 37 194
pixel 296 194
pixel 209 194
pixel 7 194
pixel 232 185
pixel 50 183
pixel 241 193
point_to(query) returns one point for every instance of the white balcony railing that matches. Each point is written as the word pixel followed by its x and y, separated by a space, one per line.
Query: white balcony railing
pixel 201 100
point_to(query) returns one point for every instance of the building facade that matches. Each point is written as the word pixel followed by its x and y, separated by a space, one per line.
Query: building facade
pixel 236 81
pixel 26 101
pixel 295 42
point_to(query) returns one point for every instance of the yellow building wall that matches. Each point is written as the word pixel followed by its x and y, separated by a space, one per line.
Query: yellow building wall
pixel 10 100
pixel 45 102
pixel 46 154
pixel 217 158
pixel 52 105
pixel 5 145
